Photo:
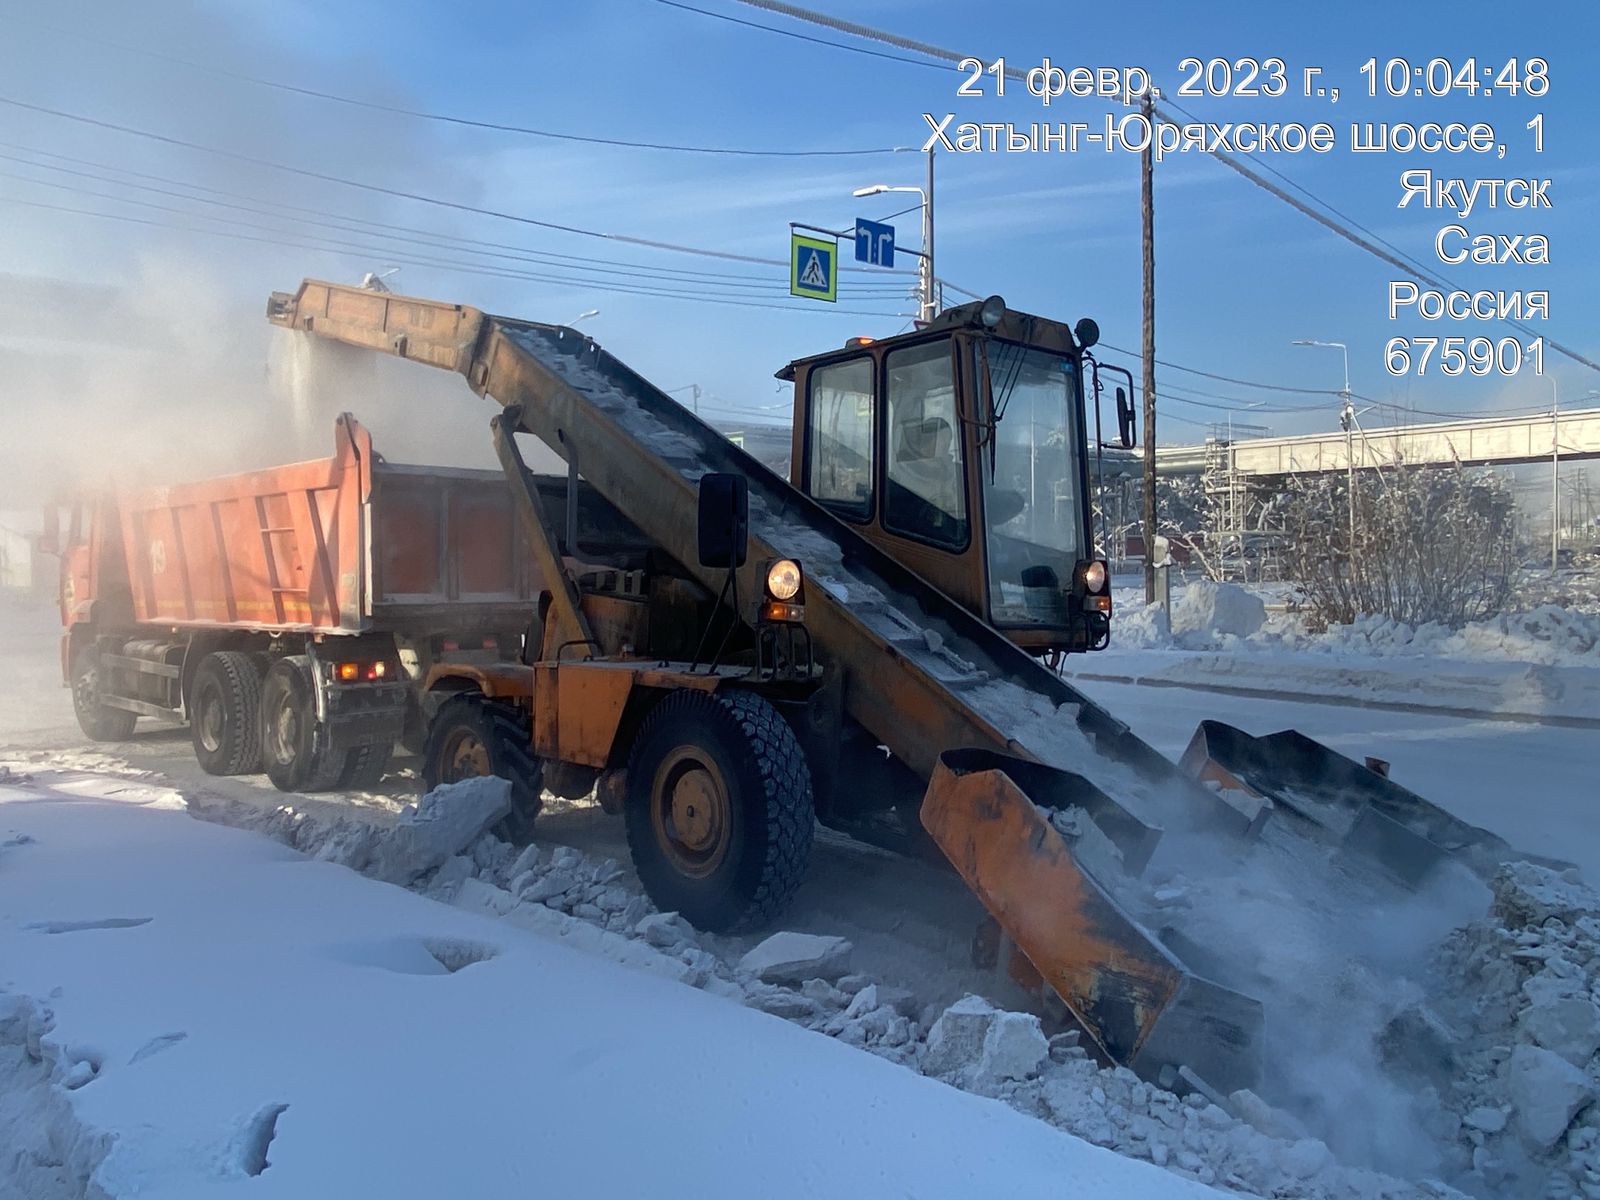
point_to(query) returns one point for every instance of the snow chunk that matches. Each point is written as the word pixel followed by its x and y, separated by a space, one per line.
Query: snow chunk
pixel 1013 1048
pixel 793 958
pixel 1566 1025
pixel 957 1038
pixel 448 819
pixel 665 930
pixel 1548 1091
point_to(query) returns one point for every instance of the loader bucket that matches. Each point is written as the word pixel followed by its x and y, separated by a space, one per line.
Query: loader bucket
pixel 990 814
pixel 1341 800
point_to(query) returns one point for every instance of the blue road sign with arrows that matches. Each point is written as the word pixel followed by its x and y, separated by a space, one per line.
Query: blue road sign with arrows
pixel 874 243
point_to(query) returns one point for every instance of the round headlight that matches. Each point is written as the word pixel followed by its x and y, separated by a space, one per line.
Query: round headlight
pixel 783 579
pixel 994 308
pixel 1094 576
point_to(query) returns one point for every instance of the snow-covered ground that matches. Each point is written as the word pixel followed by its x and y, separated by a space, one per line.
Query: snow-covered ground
pixel 212 1014
pixel 1540 663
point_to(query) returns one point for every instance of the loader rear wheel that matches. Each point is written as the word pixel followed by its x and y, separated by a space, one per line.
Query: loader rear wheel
pixel 472 735
pixel 97 719
pixel 289 750
pixel 224 713
pixel 719 809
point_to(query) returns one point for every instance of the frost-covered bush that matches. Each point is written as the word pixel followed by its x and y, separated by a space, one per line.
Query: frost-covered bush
pixel 1430 545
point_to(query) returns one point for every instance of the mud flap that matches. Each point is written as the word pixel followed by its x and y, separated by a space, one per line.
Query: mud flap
pixel 1135 999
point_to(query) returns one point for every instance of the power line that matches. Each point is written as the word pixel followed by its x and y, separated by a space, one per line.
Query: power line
pixel 469 122
pixel 445 265
pixel 397 193
pixel 453 205
pixel 277 206
pixel 791 33
pixel 1344 231
pixel 354 225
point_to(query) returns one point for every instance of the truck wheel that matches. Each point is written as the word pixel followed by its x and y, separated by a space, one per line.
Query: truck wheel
pixel 224 713
pixel 472 735
pixel 289 751
pixel 364 766
pixel 719 809
pixel 97 719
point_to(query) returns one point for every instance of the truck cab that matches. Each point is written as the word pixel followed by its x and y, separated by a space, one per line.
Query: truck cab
pixel 960 450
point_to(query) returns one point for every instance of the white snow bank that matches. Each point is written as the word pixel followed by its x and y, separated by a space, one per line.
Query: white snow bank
pixel 1210 616
pixel 228 1007
pixel 1217 609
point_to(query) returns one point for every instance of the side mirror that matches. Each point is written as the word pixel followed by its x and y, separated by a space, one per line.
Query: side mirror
pixel 1125 422
pixel 724 520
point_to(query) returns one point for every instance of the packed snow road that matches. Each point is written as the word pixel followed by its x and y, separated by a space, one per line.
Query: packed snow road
pixel 1534 785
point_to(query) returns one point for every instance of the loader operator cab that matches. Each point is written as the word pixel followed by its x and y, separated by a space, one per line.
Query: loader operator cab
pixel 960 449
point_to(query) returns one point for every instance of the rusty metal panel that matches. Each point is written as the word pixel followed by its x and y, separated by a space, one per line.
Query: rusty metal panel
pixel 620 626
pixel 590 703
pixel 1099 962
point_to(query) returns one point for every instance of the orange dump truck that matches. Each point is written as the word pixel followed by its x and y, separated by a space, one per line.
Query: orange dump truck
pixel 290 616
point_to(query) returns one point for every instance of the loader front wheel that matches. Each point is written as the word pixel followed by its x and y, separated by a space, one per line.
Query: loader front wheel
pixel 223 713
pixel 472 735
pixel 719 809
pixel 96 718
pixel 290 752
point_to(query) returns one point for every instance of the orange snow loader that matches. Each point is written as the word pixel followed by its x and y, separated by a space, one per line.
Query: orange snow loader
pixel 866 644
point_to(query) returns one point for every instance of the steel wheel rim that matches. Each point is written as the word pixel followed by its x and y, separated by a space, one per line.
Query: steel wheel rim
pixel 211 719
pixel 691 811
pixel 86 690
pixel 285 732
pixel 465 757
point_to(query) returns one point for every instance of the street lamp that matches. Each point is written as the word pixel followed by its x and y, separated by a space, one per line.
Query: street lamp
pixel 925 267
pixel 1347 418
pixel 583 316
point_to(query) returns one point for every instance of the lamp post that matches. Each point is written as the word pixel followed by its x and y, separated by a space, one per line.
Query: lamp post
pixel 583 316
pixel 929 306
pixel 1347 418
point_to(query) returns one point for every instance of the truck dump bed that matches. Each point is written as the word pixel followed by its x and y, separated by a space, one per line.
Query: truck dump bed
pixel 345 544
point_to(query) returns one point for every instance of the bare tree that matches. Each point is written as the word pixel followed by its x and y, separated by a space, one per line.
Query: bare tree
pixel 1430 544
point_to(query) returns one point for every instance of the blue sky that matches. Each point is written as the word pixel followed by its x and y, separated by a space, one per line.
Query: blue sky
pixel 1240 275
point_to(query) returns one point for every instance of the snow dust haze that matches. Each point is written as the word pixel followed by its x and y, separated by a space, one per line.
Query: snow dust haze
pixel 134 348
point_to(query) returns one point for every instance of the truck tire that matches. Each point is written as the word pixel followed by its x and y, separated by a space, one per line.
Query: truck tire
pixel 98 720
pixel 719 809
pixel 289 751
pixel 472 735
pixel 224 713
pixel 364 766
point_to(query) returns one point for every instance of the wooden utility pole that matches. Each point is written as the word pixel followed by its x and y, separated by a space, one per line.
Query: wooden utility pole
pixel 1147 205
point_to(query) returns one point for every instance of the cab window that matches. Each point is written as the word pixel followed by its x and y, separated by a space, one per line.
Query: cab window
pixel 839 457
pixel 925 496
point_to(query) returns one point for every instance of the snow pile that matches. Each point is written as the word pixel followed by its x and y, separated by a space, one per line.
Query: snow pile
pixel 1215 610
pixel 1225 616
pixel 1518 1041
pixel 48 1154
pixel 1548 636
pixel 1246 1145
pixel 1204 615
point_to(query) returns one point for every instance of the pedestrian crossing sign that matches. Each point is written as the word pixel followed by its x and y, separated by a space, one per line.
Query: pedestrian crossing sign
pixel 812 267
